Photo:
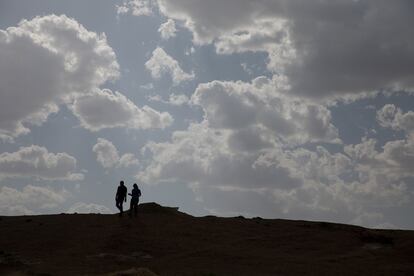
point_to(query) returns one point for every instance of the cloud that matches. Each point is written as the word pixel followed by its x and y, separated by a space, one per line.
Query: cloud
pixel 258 146
pixel 53 60
pixel 161 63
pixel 393 117
pixel 202 155
pixel 282 182
pixel 250 108
pixel 44 61
pixel 178 99
pixel 36 162
pixel 241 122
pixel 167 29
pixel 393 164
pixel 107 109
pixel 136 7
pixel 372 49
pixel 88 208
pixel 106 153
pixel 108 156
pixel 30 200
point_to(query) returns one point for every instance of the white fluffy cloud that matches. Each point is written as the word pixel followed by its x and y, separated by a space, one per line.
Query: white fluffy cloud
pixel 259 111
pixel 203 155
pixel 107 109
pixel 372 47
pixel 53 60
pixel 44 60
pixel 108 156
pixel 30 200
pixel 38 163
pixel 88 208
pixel 168 29
pixel 241 122
pixel 161 63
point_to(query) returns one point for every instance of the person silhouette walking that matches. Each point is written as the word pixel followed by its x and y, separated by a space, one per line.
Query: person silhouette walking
pixel 120 197
pixel 135 194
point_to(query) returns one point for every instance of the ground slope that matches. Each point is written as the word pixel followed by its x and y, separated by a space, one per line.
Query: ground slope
pixel 163 241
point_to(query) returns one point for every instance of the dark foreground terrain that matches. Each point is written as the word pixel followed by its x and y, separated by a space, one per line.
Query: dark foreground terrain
pixel 163 241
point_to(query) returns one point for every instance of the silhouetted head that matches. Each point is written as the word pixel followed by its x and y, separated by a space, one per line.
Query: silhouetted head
pixel 121 183
pixel 135 186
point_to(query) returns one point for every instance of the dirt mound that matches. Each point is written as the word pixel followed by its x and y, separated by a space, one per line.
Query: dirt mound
pixel 154 208
pixel 132 272
pixel 163 241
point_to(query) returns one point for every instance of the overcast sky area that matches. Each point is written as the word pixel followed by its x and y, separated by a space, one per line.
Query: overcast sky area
pixel 291 109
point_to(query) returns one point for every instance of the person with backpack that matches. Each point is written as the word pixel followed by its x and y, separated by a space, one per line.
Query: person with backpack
pixel 121 196
pixel 135 194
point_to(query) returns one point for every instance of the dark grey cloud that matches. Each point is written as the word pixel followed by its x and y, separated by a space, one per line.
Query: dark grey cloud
pixel 325 48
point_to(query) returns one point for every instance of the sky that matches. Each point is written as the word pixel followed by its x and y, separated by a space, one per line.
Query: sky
pixel 292 109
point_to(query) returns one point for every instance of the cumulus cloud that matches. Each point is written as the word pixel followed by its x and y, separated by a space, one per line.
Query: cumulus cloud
pixel 372 49
pixel 258 110
pixel 88 208
pixel 241 122
pixel 393 164
pixel 53 60
pixel 37 162
pixel 202 155
pixel 167 29
pixel 30 200
pixel 253 146
pixel 283 182
pixel 161 63
pixel 393 117
pixel 108 156
pixel 107 109
pixel 44 60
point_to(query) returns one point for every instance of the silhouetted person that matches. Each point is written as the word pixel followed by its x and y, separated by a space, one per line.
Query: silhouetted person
pixel 135 194
pixel 121 196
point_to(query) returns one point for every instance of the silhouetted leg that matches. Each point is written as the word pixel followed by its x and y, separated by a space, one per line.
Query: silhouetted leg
pixel 119 206
pixel 136 209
